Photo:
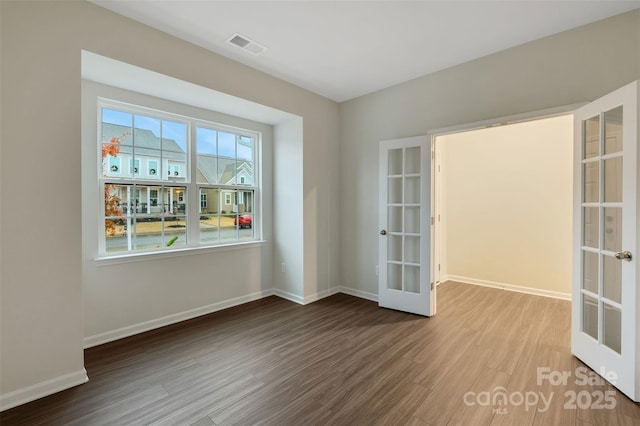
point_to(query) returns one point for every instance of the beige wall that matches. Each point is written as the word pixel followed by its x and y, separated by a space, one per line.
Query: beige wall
pixel 42 280
pixel 571 67
pixel 508 193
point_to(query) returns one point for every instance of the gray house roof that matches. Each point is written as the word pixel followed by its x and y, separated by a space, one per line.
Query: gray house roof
pixel 146 143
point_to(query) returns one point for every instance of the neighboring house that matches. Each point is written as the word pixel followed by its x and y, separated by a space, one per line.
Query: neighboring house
pixel 145 156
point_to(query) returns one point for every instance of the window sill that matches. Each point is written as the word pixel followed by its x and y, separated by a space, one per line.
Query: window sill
pixel 187 251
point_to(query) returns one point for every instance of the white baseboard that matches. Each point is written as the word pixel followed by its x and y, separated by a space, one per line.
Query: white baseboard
pixel 321 295
pixel 510 287
pixel 131 330
pixel 42 389
pixel 289 296
pixel 357 293
pixel 307 299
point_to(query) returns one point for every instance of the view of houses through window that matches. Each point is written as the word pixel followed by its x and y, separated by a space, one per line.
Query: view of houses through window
pixel 177 170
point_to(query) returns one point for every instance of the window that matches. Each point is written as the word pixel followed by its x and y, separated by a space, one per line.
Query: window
pixel 174 170
pixel 185 198
pixel 153 168
pixel 114 165
pixel 153 197
pixel 134 166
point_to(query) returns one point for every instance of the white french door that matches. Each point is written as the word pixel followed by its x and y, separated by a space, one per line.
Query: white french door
pixel 405 281
pixel 605 295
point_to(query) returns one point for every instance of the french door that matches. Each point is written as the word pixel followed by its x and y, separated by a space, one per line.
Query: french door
pixel 404 281
pixel 605 295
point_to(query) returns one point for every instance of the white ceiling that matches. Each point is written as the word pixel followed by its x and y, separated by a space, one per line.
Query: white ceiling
pixel 345 49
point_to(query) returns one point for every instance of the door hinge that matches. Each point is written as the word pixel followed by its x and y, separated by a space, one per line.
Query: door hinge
pixel 433 155
pixel 438 267
pixel 432 220
pixel 431 286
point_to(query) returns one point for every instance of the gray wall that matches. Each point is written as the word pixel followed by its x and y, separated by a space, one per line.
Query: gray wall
pixel 571 67
pixel 41 267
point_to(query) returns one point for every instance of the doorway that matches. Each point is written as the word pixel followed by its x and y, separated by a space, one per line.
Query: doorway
pixel 503 211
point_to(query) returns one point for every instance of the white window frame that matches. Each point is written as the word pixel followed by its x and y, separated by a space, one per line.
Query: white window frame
pixel 188 180
pixel 227 198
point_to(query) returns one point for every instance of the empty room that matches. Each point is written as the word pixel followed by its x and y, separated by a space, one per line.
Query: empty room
pixel 221 212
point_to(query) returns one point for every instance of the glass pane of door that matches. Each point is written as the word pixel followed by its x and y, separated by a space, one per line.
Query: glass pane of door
pixel 403 207
pixel 602 228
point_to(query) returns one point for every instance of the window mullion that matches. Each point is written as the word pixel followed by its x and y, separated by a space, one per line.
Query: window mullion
pixel 193 198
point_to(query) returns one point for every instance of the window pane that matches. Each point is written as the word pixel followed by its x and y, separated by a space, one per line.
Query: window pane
pixel 394 190
pixel 394 162
pixel 612 328
pixel 245 148
pixel 207 169
pixel 208 228
pixel 591 225
pixel 146 132
pixel 613 228
pixel 612 278
pixel 394 248
pixel 412 190
pixel 394 276
pixel 412 160
pixel 209 223
pixel 226 171
pixel 613 180
pixel 116 124
pixel 244 173
pixel 412 279
pixel 226 145
pixel 174 136
pixel 175 231
pixel 206 146
pixel 394 219
pixel 591 182
pixel 590 271
pixel 412 249
pixel 244 223
pixel 613 130
pixel 228 230
pixel 412 220
pixel 590 316
pixel 592 137
pixel 116 235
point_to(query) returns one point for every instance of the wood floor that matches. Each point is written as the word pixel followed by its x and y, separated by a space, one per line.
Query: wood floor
pixel 341 361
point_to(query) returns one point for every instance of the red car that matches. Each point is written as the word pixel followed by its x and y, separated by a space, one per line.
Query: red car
pixel 243 221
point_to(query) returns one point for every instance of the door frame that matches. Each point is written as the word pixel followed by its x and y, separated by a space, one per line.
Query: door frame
pixel 477 125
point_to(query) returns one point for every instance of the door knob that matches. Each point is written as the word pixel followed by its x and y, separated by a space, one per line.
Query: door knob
pixel 383 232
pixel 624 255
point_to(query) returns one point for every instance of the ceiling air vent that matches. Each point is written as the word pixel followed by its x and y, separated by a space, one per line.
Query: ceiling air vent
pixel 247 44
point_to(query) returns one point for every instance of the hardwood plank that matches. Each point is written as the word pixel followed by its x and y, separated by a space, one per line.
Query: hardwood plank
pixel 341 360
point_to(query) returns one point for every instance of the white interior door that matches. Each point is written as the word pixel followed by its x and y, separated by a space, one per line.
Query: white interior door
pixel 605 291
pixel 405 281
